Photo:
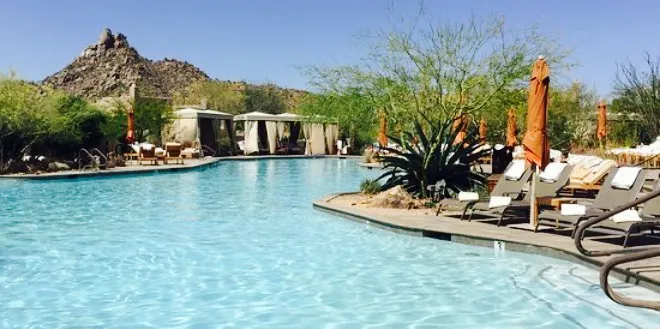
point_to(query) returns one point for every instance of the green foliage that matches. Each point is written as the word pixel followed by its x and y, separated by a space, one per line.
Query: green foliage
pixel 353 110
pixel 370 186
pixel 151 116
pixel 44 121
pixel 264 98
pixel 222 96
pixel 433 159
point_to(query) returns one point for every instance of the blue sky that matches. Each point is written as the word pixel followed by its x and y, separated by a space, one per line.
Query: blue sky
pixel 265 41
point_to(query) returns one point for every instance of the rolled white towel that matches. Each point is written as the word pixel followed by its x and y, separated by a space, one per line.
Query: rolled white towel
pixel 516 170
pixel 552 171
pixel 569 209
pixel 625 177
pixel 468 196
pixel 629 215
pixel 499 201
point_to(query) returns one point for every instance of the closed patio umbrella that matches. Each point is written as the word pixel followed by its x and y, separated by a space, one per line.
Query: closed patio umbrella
pixel 535 142
pixel 460 124
pixel 511 128
pixel 483 130
pixel 130 133
pixel 382 131
pixel 601 129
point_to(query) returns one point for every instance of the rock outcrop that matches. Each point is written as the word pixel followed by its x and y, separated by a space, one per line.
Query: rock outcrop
pixel 109 67
pixel 105 70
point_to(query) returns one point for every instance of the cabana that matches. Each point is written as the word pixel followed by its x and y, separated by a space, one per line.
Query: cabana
pixel 267 129
pixel 200 128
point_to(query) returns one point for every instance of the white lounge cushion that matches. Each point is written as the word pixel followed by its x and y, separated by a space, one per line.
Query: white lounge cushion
pixel 499 201
pixel 625 177
pixel 552 171
pixel 136 148
pixel 147 146
pixel 160 151
pixel 629 215
pixel 516 170
pixel 570 209
pixel 468 196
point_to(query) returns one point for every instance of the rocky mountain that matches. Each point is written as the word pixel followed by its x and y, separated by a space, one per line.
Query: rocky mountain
pixel 109 67
pixel 106 70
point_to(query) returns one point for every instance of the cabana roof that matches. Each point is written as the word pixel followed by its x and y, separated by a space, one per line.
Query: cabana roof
pixel 289 117
pixel 256 116
pixel 194 113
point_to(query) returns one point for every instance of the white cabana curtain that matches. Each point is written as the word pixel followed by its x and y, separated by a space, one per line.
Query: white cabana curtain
pixel 251 137
pixel 329 140
pixel 331 135
pixel 307 132
pixel 271 131
pixel 280 130
pixel 318 142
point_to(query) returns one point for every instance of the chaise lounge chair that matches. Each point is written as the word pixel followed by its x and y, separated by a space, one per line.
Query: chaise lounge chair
pixel 608 198
pixel 648 219
pixel 587 177
pixel 507 186
pixel 147 153
pixel 173 153
pixel 547 186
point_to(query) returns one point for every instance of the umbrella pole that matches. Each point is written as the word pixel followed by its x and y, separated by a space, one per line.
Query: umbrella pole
pixel 533 207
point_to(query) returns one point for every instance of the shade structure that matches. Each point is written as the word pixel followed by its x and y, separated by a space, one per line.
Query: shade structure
pixel 382 130
pixel 483 130
pixel 601 129
pixel 511 128
pixel 256 116
pixel 130 131
pixel 535 143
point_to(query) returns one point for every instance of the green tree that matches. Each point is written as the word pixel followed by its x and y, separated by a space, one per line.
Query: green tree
pixel 222 96
pixel 264 98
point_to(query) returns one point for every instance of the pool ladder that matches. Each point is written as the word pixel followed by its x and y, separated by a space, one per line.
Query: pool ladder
pixel 98 161
pixel 631 255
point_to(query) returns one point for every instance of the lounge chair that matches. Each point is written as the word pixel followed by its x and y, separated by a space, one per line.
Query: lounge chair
pixel 147 153
pixel 505 187
pixel 608 198
pixel 544 189
pixel 173 153
pixel 648 219
pixel 587 177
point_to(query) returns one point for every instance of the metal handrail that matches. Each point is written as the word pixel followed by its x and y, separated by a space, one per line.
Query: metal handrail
pixel 105 158
pixel 610 264
pixel 80 158
pixel 204 147
pixel 581 229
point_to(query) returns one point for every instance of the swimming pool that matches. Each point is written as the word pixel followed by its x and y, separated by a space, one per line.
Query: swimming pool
pixel 238 245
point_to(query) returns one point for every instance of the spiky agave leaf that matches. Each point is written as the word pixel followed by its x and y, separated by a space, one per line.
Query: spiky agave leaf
pixel 432 159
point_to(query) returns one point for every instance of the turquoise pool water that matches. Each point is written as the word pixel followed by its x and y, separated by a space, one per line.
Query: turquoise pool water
pixel 238 245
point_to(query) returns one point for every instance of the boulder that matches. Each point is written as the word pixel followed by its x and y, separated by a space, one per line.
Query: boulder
pixel 58 166
pixel 106 39
pixel 396 197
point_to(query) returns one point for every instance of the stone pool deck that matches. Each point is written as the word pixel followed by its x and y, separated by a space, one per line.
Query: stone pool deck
pixel 424 223
pixel 189 164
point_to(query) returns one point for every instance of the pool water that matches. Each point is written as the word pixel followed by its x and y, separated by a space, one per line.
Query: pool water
pixel 238 245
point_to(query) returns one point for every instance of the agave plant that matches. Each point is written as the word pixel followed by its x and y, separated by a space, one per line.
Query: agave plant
pixel 432 157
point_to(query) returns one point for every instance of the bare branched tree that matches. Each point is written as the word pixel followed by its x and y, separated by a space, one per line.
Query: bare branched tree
pixel 638 91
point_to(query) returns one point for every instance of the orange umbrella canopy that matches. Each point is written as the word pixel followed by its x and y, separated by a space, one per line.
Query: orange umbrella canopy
pixel 511 128
pixel 535 142
pixel 130 134
pixel 460 124
pixel 601 129
pixel 382 131
pixel 483 130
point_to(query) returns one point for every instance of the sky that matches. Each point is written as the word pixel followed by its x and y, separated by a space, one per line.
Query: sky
pixel 270 40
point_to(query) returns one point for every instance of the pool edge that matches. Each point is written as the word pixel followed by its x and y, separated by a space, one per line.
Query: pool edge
pixel 484 241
